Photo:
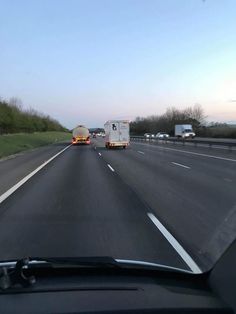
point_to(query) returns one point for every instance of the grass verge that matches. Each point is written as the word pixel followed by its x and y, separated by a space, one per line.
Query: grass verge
pixel 15 143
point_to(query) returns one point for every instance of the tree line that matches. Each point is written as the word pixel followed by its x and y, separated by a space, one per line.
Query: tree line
pixel 166 122
pixel 14 119
pixel 191 115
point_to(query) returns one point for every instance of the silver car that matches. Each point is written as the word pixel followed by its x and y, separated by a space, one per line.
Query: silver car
pixel 149 135
pixel 162 135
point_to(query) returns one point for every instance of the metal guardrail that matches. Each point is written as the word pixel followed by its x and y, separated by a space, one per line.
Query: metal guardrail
pixel 210 143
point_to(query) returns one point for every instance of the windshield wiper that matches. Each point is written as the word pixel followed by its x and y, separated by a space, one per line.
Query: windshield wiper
pixel 92 261
pixel 12 272
pixel 10 277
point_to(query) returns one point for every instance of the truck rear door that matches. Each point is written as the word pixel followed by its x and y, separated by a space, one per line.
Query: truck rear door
pixel 114 132
pixel 124 131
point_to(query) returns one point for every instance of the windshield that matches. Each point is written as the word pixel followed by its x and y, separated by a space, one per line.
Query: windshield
pixel 86 86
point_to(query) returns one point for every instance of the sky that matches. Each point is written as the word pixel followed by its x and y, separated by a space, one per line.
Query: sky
pixel 85 62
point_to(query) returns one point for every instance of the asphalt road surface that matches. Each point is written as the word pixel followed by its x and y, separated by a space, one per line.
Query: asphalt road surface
pixel 153 203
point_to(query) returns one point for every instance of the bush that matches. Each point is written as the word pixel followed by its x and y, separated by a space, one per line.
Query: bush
pixel 218 132
pixel 14 119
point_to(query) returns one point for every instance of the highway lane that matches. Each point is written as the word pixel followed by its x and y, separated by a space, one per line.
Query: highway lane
pixel 193 195
pixel 77 206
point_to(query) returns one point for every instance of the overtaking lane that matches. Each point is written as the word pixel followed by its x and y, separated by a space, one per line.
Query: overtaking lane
pixel 76 206
pixel 226 153
pixel 196 204
pixel 206 161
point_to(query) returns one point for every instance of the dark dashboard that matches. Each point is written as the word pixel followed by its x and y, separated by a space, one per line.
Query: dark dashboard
pixel 111 290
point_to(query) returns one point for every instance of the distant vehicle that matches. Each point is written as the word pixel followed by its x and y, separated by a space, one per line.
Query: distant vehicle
pixel 162 135
pixel 117 133
pixel 184 131
pixel 149 135
pixel 94 135
pixel 80 135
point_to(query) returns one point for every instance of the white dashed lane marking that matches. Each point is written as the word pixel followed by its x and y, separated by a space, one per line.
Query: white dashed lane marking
pixel 110 167
pixel 180 165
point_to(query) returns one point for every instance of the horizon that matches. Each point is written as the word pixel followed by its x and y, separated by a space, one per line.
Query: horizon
pixel 18 102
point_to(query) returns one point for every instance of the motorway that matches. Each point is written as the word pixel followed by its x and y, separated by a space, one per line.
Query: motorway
pixel 154 203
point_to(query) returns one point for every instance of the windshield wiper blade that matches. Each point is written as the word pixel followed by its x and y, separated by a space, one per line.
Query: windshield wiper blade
pixel 12 272
pixel 94 261
pixel 107 261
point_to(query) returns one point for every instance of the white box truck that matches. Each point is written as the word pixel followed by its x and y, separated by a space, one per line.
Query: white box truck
pixel 117 133
pixel 184 131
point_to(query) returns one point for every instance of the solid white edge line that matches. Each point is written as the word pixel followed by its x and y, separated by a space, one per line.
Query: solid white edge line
pixel 30 175
pixel 177 164
pixel 188 152
pixel 110 167
pixel 141 152
pixel 175 244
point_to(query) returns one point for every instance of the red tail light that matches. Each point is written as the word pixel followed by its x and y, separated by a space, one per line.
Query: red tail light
pixel 88 140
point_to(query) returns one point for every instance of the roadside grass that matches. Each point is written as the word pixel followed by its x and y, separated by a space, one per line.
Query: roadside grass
pixel 14 143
